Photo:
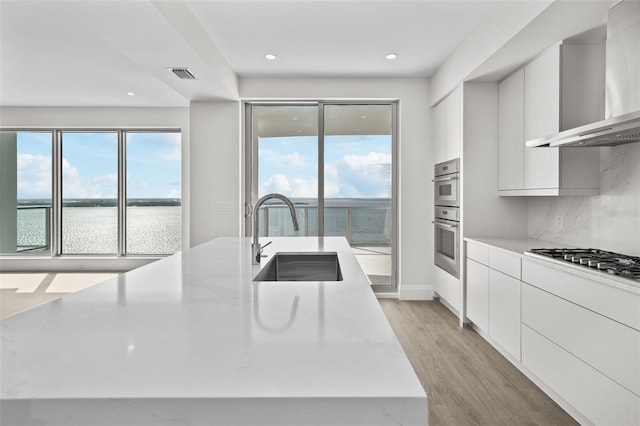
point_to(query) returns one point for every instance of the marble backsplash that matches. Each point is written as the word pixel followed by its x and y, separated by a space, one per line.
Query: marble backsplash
pixel 609 221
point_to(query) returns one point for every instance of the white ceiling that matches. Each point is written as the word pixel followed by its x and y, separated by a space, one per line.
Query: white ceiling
pixel 92 52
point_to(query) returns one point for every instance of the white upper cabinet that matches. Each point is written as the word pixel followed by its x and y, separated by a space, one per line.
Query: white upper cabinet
pixel 439 132
pixel 542 95
pixel 511 132
pixel 560 89
pixel 447 127
pixel 454 124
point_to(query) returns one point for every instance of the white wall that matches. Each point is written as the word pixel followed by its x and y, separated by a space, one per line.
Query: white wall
pixel 609 221
pixel 491 34
pixel 216 159
pixel 415 159
pixel 484 212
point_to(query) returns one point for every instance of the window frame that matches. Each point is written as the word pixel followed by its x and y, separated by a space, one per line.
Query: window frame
pixel 57 199
pixel 250 179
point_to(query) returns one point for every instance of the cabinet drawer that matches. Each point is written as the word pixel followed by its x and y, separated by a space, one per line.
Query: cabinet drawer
pixel 478 294
pixel 606 345
pixel 504 262
pixel 504 311
pixel 607 300
pixel 478 252
pixel 597 397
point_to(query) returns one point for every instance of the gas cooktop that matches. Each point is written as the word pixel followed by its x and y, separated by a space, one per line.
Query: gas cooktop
pixel 601 260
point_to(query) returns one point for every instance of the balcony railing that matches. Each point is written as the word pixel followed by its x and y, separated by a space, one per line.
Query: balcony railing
pixel 362 225
pixel 33 228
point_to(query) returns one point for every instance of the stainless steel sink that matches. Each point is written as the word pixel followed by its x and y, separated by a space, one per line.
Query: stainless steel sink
pixel 301 267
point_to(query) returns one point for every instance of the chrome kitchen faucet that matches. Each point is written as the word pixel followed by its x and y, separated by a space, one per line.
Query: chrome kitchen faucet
pixel 256 248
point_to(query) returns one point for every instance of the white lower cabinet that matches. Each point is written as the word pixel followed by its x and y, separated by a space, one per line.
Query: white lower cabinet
pixel 478 294
pixel 592 394
pixel 493 295
pixel 448 288
pixel 574 334
pixel 504 311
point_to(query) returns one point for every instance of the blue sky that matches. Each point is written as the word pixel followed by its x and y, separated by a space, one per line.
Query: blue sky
pixel 90 165
pixel 357 166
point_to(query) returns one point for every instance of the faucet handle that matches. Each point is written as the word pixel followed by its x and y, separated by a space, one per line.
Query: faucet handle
pixel 265 246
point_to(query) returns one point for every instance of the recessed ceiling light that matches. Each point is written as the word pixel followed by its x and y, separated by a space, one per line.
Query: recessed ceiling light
pixel 363 116
pixel 391 56
pixel 130 94
pixel 270 56
pixel 294 118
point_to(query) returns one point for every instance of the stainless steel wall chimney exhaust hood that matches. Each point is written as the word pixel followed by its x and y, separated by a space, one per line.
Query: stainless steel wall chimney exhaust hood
pixel 613 131
pixel 622 89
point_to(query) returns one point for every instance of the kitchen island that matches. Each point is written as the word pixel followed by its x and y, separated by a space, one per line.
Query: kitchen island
pixel 192 339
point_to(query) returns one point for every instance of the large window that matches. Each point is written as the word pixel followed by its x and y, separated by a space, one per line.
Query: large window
pixel 153 192
pixel 89 193
pixel 113 192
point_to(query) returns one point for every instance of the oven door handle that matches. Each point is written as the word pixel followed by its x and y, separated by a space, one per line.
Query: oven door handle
pixel 444 179
pixel 444 225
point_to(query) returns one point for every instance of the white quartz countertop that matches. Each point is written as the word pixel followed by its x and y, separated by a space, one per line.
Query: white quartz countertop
pixel 196 327
pixel 521 245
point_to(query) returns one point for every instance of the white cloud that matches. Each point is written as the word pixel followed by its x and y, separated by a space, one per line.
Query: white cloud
pixel 295 187
pixel 174 193
pixel 34 176
pixel 304 188
pixel 364 175
pixel 276 183
pixel 294 160
pixel 74 185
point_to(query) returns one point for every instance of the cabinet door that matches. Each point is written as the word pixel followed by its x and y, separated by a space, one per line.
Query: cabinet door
pixel 542 118
pixel 511 132
pixel 454 125
pixel 542 95
pixel 504 311
pixel 439 132
pixel 478 294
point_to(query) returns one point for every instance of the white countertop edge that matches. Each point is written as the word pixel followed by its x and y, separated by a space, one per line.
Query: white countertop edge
pixel 519 246
pixel 355 411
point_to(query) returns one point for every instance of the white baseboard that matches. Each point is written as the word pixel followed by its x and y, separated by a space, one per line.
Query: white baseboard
pixel 393 295
pixel 415 292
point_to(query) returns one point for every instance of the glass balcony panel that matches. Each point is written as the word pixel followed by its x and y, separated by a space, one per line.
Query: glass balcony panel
pixel 25 192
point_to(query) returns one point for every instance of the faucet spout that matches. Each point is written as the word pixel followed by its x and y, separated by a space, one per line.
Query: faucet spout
pixel 256 249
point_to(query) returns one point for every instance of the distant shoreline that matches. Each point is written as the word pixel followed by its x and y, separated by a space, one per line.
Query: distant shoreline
pixel 176 202
pixel 104 202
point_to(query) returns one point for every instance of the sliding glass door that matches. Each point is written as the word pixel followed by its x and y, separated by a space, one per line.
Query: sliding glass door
pixel 336 162
pixel 358 148
pixel 284 159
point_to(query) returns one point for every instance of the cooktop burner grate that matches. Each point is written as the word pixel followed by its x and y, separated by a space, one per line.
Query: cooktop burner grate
pixel 605 261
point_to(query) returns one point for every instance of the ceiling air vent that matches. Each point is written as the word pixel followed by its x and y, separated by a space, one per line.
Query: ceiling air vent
pixel 182 73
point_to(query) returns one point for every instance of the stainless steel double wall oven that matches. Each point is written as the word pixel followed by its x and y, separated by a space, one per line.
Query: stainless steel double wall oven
pixel 447 216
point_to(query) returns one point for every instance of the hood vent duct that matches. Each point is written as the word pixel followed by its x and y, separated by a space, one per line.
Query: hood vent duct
pixel 182 73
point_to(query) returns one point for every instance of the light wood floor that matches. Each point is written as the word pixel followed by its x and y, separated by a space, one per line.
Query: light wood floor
pixel 466 380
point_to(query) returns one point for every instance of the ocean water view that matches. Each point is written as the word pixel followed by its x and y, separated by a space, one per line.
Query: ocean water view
pixel 90 226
